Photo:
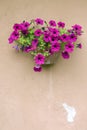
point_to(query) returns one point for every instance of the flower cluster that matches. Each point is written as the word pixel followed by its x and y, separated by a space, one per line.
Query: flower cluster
pixel 42 39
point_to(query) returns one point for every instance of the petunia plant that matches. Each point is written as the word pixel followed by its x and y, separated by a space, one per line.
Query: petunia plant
pixel 43 40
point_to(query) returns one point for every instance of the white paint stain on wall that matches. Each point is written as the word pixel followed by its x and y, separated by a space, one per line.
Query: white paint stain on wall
pixel 71 112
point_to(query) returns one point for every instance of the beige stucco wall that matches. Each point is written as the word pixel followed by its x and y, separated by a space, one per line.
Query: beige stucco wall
pixel 33 101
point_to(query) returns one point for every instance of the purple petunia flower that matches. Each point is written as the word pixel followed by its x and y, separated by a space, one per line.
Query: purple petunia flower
pixel 37 68
pixel 55 32
pixel 17 27
pixel 50 51
pixel 25 25
pixel 10 39
pixel 46 37
pixel 58 38
pixel 28 49
pixel 65 55
pixel 53 39
pixel 38 32
pixel 34 43
pixel 64 37
pixel 61 24
pixel 15 35
pixel 79 45
pixel 46 32
pixel 70 30
pixel 55 47
pixel 69 47
pixel 77 29
pixel 50 29
pixel 39 59
pixel 39 21
pixel 25 32
pixel 72 37
pixel 52 23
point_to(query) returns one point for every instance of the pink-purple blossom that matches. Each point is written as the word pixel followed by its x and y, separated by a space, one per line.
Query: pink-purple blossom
pixel 65 55
pixel 14 36
pixel 39 21
pixel 34 43
pixel 77 28
pixel 25 25
pixel 72 37
pixel 79 45
pixel 53 39
pixel 38 32
pixel 22 26
pixel 50 29
pixel 58 38
pixel 10 40
pixel 55 47
pixel 46 37
pixel 17 27
pixel 64 37
pixel 70 31
pixel 46 32
pixel 61 24
pixel 52 23
pixel 39 59
pixel 69 47
pixel 37 68
pixel 54 32
pixel 24 32
pixel 28 49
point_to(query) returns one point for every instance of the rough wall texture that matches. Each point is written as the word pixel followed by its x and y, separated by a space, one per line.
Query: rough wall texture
pixel 33 101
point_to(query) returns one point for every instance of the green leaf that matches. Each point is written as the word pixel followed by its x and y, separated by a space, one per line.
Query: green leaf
pixel 63 31
pixel 41 48
pixel 40 38
pixel 33 53
pixel 63 45
pixel 21 40
pixel 31 37
pixel 31 31
pixel 46 53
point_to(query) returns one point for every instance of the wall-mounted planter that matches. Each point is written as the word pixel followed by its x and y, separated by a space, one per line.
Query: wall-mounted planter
pixel 45 41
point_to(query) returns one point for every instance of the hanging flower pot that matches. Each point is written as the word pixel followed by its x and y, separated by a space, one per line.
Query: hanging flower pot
pixel 45 41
